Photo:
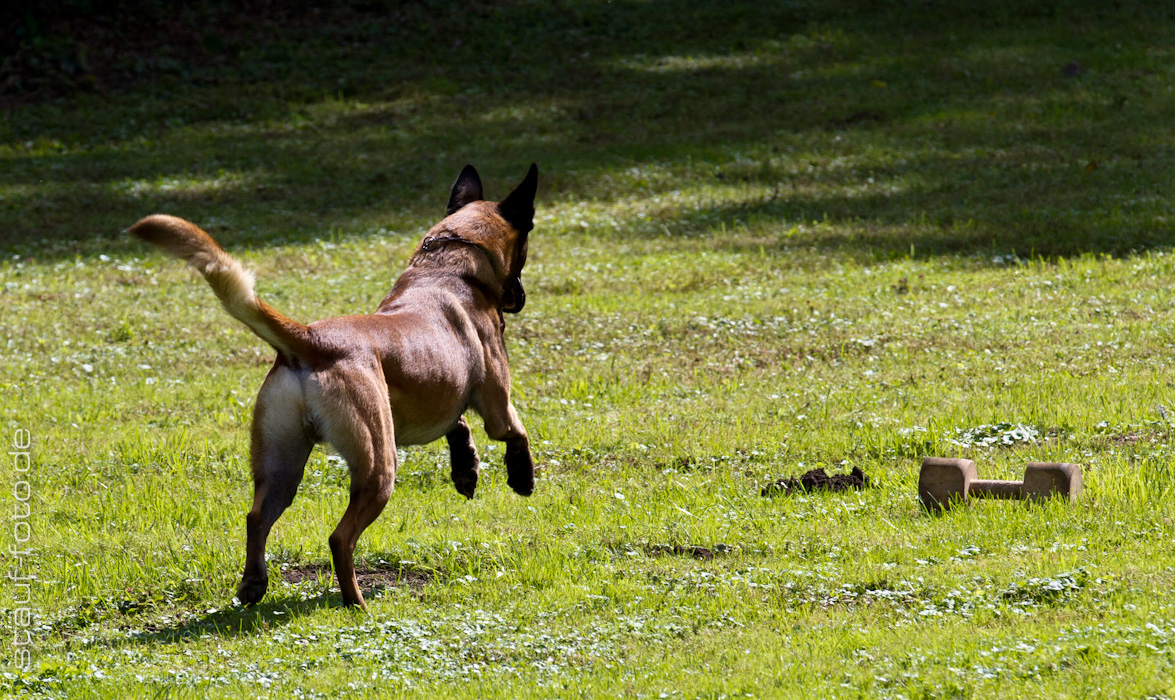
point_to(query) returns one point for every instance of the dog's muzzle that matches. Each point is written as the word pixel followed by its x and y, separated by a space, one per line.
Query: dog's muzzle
pixel 513 296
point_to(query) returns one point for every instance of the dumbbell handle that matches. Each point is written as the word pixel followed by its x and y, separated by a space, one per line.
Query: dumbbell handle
pixel 992 488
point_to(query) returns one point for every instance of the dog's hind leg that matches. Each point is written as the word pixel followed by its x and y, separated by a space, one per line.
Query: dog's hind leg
pixel 463 458
pixel 358 422
pixel 281 445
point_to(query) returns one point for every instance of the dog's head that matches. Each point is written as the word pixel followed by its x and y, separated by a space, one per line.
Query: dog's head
pixel 500 229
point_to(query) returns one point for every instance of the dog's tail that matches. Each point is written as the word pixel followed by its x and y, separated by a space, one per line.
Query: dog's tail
pixel 231 282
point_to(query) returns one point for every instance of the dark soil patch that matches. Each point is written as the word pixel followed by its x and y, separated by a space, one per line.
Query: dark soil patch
pixel 818 480
pixel 1133 438
pixel 368 577
pixel 693 550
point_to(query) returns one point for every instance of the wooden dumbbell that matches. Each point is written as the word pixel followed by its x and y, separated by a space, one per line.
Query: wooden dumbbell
pixel 943 481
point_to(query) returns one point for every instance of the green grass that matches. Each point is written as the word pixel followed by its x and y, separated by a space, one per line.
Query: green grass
pixel 769 238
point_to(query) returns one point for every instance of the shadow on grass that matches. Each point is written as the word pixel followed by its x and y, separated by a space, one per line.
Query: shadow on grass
pixel 923 210
pixel 947 129
pixel 279 607
pixel 274 611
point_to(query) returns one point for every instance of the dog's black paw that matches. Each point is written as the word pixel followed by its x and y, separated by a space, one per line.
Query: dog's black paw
pixel 252 589
pixel 519 468
pixel 465 482
pixel 520 475
pixel 522 487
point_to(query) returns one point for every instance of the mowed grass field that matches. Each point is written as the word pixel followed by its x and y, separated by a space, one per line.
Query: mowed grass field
pixel 770 237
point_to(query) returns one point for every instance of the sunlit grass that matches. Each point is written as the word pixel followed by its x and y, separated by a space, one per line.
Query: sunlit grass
pixel 763 245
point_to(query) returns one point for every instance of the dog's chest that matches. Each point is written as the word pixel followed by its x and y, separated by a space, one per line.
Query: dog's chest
pixel 421 417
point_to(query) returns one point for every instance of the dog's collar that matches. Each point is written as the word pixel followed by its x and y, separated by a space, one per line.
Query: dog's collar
pixel 431 242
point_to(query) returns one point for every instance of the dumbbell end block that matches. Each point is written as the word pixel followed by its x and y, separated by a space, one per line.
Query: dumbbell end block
pixel 944 480
pixel 1043 480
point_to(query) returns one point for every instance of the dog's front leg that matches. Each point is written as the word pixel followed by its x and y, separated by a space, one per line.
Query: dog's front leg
pixel 519 465
pixel 463 458
pixel 502 423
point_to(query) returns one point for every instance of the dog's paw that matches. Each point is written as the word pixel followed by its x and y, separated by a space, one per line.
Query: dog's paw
pixel 523 489
pixel 520 472
pixel 465 482
pixel 522 483
pixel 358 605
pixel 252 589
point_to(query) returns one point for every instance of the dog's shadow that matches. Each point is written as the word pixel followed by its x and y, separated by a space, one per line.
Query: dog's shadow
pixel 277 609
pixel 235 621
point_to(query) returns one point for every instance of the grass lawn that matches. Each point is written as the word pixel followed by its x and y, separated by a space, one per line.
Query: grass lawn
pixel 770 237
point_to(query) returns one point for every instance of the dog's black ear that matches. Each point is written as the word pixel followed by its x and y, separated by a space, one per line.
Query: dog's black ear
pixel 466 189
pixel 518 208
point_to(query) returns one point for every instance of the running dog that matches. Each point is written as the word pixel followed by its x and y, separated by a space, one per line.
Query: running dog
pixel 404 375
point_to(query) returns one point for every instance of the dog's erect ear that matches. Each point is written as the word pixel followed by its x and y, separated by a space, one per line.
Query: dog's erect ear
pixel 467 189
pixel 518 208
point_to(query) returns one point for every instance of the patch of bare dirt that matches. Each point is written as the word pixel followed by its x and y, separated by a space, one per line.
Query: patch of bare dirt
pixel 367 577
pixel 693 550
pixel 1131 438
pixel 818 480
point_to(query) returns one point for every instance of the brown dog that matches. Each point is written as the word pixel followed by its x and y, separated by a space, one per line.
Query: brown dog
pixel 404 375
